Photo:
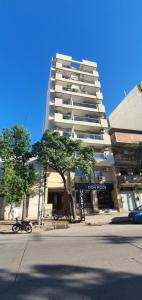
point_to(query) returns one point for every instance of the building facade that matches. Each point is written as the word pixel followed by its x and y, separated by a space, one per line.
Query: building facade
pixel 74 108
pixel 126 130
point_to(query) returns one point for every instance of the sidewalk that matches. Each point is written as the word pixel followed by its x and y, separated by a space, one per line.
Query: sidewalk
pixel 106 218
pixel 96 219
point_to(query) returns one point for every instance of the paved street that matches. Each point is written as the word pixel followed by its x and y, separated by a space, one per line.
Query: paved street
pixel 82 262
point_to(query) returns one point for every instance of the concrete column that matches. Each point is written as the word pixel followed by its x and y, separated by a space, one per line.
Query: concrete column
pixel 94 200
pixel 48 207
pixel 46 189
pixel 116 191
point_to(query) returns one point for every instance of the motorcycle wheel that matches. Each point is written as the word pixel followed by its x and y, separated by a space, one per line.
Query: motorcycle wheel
pixel 15 228
pixel 28 229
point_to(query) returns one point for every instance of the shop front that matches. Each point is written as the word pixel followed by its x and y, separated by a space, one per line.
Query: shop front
pixel 130 198
pixel 94 197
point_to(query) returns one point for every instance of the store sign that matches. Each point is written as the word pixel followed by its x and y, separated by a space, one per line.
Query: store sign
pixel 93 186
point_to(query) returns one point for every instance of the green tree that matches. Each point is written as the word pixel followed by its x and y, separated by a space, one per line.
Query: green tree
pixel 18 173
pixel 64 155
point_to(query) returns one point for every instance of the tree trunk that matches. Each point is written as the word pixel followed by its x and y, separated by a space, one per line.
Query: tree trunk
pixel 73 209
pixel 24 210
pixel 72 202
pixel 11 212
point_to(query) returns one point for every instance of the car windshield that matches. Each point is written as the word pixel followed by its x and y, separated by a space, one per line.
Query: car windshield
pixel 139 208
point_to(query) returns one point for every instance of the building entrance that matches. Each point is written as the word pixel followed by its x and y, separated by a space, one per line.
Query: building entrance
pixel 56 199
pixel 105 200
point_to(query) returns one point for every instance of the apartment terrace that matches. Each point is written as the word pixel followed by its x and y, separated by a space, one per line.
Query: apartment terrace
pixel 79 122
pixel 75 105
pixel 77 80
pixel 88 139
pixel 130 180
pixel 60 91
pixel 126 159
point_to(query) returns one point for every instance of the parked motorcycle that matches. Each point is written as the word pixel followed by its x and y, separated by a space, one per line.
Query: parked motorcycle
pixel 22 226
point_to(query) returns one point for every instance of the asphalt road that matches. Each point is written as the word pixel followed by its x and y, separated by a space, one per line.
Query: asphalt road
pixel 82 262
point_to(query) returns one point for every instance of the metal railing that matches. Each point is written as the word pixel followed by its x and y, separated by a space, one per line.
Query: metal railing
pixel 67 133
pixel 67 117
pixel 81 119
pixel 73 90
pixel 86 119
pixel 83 104
pixel 89 105
pixel 89 136
pixel 130 179
pixel 125 157
pixel 100 156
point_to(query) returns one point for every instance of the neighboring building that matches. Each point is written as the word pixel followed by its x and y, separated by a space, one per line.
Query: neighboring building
pixel 126 129
pixel 32 201
pixel 74 108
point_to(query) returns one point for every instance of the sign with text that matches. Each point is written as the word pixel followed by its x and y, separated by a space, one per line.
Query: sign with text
pixel 94 186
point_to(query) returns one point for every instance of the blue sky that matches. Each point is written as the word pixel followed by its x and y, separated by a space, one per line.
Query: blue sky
pixel 32 31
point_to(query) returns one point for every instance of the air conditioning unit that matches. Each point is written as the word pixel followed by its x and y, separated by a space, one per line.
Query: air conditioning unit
pixel 101 178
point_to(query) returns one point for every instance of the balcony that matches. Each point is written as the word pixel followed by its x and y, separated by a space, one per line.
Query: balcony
pixel 76 89
pixel 104 159
pixel 77 106
pixel 80 123
pixel 96 96
pixel 89 136
pixel 125 159
pixel 62 66
pixel 77 80
pixel 130 180
pixel 86 119
pixel 88 105
pixel 99 141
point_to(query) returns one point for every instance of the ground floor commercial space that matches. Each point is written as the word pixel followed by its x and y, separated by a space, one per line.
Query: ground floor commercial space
pixel 91 197
pixel 95 197
pixel 130 197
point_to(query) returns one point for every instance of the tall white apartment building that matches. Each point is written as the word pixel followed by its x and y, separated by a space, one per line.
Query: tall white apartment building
pixel 74 108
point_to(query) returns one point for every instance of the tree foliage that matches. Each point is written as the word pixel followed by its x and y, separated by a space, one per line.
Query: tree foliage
pixel 18 174
pixel 64 155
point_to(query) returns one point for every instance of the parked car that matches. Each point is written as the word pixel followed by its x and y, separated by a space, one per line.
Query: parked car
pixel 135 215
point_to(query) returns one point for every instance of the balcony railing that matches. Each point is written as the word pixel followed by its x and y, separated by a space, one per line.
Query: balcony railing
pixel 78 91
pixel 86 119
pixel 125 157
pixel 130 179
pixel 100 156
pixel 104 157
pixel 78 79
pixel 68 102
pixel 77 68
pixel 83 104
pixel 71 78
pixel 81 119
pixel 67 133
pixel 89 136
pixel 67 117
